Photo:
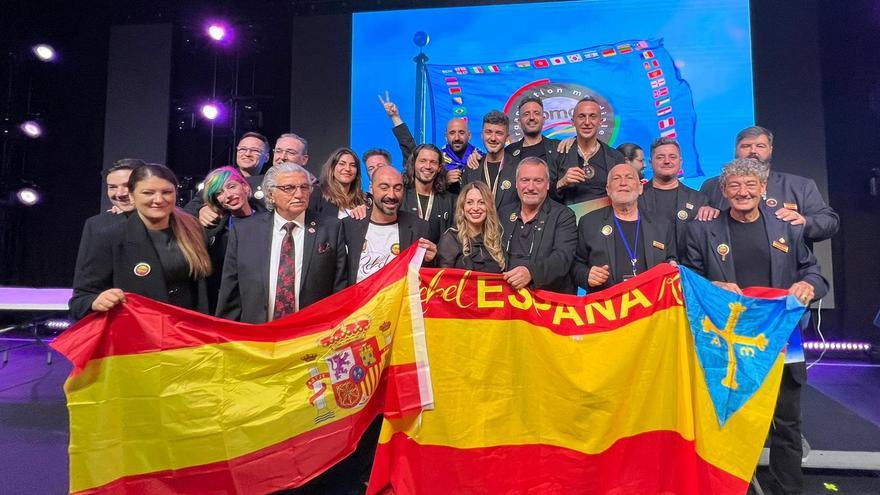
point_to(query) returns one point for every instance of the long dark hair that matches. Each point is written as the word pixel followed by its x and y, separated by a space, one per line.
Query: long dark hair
pixel 333 191
pixel 409 168
pixel 188 233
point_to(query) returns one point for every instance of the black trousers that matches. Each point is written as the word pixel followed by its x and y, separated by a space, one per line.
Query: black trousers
pixel 786 449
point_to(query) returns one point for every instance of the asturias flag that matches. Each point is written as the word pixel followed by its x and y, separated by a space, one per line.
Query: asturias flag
pixel 628 78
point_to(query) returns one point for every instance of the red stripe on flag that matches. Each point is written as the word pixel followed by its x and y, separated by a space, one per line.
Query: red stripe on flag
pixel 274 468
pixel 80 343
pixel 653 462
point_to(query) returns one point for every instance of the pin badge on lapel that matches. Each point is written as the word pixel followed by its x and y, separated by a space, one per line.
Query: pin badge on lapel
pixel 771 202
pixel 689 206
pixel 142 269
pixel 513 217
pixel 659 245
pixel 259 193
pixel 516 152
pixel 606 230
pixel 723 250
pixel 505 185
pixel 781 245
pixel 682 215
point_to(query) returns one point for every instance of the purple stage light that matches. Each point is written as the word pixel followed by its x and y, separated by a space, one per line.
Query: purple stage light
pixel 217 31
pixel 28 196
pixel 31 129
pixel 44 52
pixel 210 111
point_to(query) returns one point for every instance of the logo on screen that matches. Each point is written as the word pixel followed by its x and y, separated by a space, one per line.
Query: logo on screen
pixel 559 99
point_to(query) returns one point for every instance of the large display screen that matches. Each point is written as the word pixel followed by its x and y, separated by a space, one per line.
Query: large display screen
pixel 680 68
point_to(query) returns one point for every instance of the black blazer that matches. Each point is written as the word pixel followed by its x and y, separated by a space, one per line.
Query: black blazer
pixel 107 259
pixel 450 255
pixel 554 243
pixel 577 193
pixel 689 201
pixel 442 213
pixel 789 191
pixel 595 248
pixel 505 192
pixel 786 268
pixel 410 227
pixel 244 289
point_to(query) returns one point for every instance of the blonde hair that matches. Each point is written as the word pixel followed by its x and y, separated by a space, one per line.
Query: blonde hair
pixel 491 228
pixel 333 191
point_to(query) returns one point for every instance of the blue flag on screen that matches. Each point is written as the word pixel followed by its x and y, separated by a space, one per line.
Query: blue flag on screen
pixel 737 338
pixel 640 90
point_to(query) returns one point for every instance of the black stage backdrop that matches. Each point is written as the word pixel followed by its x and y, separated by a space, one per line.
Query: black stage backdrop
pixel 816 86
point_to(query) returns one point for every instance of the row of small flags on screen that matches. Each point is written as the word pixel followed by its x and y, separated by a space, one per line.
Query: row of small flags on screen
pixel 662 101
pixel 545 62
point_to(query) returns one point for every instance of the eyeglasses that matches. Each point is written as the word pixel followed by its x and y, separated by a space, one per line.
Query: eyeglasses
pixel 249 151
pixel 285 152
pixel 291 188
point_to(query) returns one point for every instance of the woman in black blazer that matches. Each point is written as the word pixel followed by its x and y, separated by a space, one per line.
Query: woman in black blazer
pixel 475 241
pixel 159 252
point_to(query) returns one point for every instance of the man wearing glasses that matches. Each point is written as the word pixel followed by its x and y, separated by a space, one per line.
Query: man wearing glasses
pixel 251 154
pixel 280 261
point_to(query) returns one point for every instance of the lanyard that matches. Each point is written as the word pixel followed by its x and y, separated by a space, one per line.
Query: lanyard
pixel 497 176
pixel 633 259
pixel 427 213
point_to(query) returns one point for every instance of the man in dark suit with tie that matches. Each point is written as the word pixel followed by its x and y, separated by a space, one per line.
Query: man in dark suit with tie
pixel 539 235
pixel 748 245
pixel 386 231
pixel 620 241
pixel 284 260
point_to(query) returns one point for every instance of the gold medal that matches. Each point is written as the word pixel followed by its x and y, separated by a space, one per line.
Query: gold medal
pixel 505 185
pixel 513 217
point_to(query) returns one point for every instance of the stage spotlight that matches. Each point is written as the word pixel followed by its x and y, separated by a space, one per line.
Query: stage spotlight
pixel 28 196
pixel 218 31
pixel 210 111
pixel 44 52
pixel 31 129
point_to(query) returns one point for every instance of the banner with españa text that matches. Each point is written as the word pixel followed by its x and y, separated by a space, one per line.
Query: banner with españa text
pixel 614 392
pixel 165 400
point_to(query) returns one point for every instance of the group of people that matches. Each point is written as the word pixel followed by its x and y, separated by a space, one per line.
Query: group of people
pixel 258 245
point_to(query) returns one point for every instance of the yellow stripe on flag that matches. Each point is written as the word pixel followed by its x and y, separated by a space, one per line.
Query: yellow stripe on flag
pixel 142 413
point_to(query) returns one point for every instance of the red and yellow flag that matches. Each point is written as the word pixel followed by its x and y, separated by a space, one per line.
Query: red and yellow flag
pixel 542 393
pixel 164 400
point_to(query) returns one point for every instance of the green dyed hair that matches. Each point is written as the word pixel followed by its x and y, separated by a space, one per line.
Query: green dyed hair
pixel 214 184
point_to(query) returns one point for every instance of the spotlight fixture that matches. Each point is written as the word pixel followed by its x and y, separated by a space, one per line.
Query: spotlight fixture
pixel 210 111
pixel 44 52
pixel 28 196
pixel 217 31
pixel 837 346
pixel 31 129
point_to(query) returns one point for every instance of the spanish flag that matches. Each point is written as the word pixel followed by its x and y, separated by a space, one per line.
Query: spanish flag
pixel 164 400
pixel 536 392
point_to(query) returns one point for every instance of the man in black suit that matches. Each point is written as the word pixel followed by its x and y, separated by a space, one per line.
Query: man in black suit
pixel 425 192
pixel 580 174
pixel 497 168
pixel 665 196
pixel 386 231
pixel 539 234
pixel 790 197
pixel 617 242
pixel 255 278
pixel 747 246
pixel 530 116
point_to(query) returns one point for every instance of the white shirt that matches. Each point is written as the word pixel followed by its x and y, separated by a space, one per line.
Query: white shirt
pixel 381 245
pixel 278 234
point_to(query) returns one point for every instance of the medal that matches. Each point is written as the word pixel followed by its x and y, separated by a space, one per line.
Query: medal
pixel 589 171
pixel 682 215
pixel 505 185
pixel 606 230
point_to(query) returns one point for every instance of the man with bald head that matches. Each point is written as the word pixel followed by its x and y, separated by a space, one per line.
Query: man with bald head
pixel 618 242
pixel 386 231
pixel 456 152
